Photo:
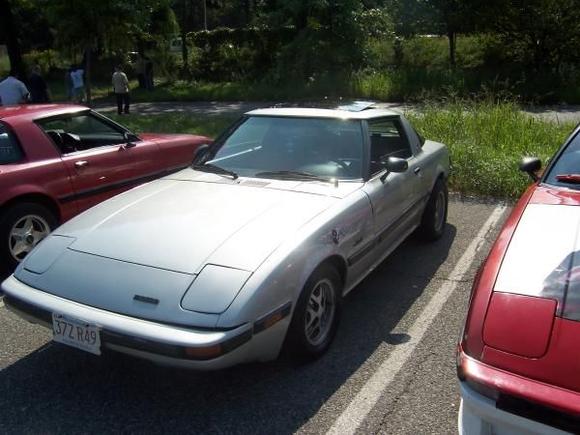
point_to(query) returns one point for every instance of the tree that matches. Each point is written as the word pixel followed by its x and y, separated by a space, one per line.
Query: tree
pixel 542 34
pixel 9 33
pixel 84 25
pixel 442 17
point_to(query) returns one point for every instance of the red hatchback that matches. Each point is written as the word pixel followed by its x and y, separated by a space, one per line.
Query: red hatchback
pixel 519 356
pixel 58 160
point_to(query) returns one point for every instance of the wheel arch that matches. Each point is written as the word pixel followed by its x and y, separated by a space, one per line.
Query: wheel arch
pixel 338 263
pixel 35 197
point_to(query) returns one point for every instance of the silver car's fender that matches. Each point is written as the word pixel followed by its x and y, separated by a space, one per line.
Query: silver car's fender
pixel 282 276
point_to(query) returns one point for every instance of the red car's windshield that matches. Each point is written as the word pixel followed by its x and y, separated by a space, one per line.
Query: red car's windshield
pixel 566 170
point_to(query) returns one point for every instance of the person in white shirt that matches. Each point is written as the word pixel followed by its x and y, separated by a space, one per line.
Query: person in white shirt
pixel 13 91
pixel 121 90
pixel 78 83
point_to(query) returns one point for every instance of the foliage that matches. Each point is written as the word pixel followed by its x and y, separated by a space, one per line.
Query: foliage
pixel 538 33
pixel 487 141
pixel 225 54
pixel 189 123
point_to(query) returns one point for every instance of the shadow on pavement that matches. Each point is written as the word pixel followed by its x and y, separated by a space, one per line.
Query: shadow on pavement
pixel 60 390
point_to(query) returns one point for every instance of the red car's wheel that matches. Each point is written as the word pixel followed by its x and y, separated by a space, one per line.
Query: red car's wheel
pixel 22 227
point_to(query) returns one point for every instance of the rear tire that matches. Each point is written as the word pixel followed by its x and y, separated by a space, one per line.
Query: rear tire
pixel 22 227
pixel 316 316
pixel 435 214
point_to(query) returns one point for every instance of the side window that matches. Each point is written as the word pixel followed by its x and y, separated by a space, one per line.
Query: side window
pixel 10 151
pixel 387 140
pixel 79 133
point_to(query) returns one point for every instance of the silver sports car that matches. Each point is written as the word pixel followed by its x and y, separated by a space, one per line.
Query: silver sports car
pixel 249 250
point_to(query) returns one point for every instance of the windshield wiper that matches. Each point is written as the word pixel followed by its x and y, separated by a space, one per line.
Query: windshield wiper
pixel 214 169
pixel 294 175
pixel 569 178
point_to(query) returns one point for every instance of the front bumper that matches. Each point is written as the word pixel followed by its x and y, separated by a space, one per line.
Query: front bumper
pixel 478 415
pixel 164 344
pixel 495 401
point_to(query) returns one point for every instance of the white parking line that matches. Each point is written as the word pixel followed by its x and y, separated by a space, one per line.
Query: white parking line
pixel 368 396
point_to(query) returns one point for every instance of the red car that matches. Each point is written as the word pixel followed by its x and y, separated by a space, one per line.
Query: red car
pixel 519 355
pixel 58 160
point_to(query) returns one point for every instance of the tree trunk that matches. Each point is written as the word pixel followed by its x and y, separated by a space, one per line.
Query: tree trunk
pixel 184 53
pixel 452 36
pixel 11 34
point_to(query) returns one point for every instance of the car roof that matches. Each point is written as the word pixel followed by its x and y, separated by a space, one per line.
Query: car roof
pixel 36 111
pixel 353 110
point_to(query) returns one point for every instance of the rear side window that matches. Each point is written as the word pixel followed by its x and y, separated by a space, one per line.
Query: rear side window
pixel 10 151
pixel 81 132
pixel 387 140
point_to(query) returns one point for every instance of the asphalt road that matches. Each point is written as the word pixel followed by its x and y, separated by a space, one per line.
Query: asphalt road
pixel 557 113
pixel 390 370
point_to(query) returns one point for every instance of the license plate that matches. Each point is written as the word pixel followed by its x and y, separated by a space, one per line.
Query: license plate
pixel 76 333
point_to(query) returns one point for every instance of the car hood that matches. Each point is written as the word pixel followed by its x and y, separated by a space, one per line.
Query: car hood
pixel 543 257
pixel 181 225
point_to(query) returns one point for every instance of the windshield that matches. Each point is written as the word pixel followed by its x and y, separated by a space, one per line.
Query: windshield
pixel 268 146
pixel 566 170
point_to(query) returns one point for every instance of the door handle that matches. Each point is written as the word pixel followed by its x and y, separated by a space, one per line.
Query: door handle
pixel 81 164
pixel 417 170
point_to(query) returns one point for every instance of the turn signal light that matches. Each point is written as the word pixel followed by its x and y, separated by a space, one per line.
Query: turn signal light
pixel 204 352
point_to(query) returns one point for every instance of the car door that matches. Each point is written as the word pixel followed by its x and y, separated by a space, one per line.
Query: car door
pixel 396 207
pixel 424 164
pixel 96 155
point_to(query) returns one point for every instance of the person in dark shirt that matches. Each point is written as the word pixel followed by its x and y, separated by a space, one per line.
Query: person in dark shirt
pixel 37 86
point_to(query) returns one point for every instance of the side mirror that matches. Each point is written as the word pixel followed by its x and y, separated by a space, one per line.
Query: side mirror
pixel 394 164
pixel 129 139
pixel 531 165
pixel 200 152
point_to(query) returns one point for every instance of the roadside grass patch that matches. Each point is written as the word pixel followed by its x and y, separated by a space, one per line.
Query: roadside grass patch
pixel 487 142
pixel 208 125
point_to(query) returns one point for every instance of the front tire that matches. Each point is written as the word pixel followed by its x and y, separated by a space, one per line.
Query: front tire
pixel 316 316
pixel 22 227
pixel 435 214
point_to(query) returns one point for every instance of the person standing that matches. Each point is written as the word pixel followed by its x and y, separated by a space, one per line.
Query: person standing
pixel 13 91
pixel 121 90
pixel 78 81
pixel 38 87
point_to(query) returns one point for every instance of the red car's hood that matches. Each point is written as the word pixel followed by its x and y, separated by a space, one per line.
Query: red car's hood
pixel 543 258
pixel 532 323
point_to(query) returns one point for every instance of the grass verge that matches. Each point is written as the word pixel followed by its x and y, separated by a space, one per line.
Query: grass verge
pixel 210 126
pixel 486 140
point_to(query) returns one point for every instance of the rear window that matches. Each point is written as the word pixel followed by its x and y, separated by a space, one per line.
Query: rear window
pixel 10 151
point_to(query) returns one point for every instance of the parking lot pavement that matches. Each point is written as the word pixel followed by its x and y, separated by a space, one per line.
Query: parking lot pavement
pixel 390 370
